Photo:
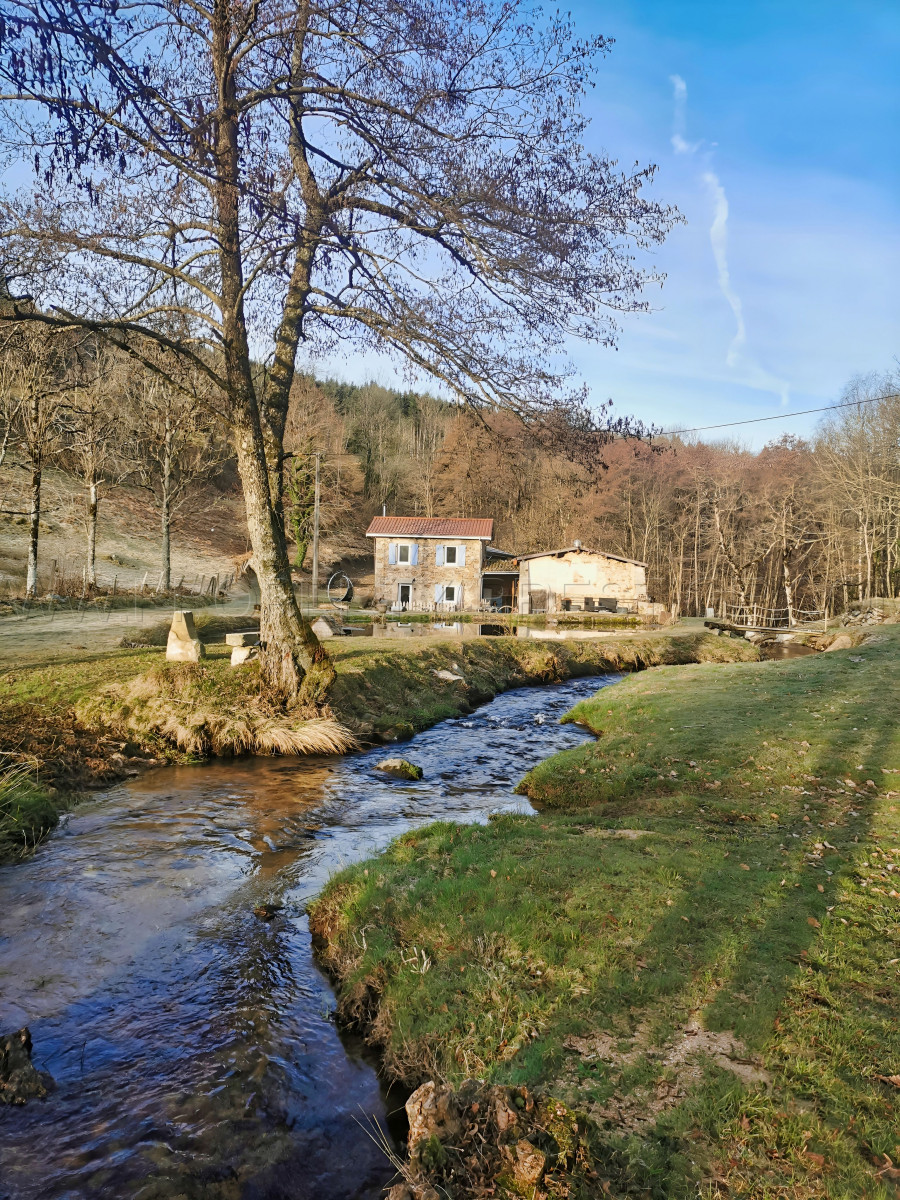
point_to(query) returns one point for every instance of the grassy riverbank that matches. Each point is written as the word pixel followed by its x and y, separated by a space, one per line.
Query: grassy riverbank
pixel 696 943
pixel 84 718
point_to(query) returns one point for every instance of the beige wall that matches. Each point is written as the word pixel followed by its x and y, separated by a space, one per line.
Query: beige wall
pixel 546 581
pixel 426 573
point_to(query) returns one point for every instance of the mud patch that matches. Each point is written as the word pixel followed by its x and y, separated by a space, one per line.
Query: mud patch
pixel 681 1066
pixel 628 835
pixel 66 755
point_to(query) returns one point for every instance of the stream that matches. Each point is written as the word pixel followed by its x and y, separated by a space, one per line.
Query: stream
pixel 192 1044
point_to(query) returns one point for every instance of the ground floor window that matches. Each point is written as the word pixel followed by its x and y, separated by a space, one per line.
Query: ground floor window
pixel 450 595
pixel 404 593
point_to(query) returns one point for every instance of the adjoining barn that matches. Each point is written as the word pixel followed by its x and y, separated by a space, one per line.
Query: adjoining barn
pixel 578 579
pixel 442 564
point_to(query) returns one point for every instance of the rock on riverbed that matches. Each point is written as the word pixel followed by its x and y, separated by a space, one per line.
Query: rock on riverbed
pixel 19 1081
pixel 402 768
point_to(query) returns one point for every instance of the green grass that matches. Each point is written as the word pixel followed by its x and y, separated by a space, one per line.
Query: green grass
pixel 751 898
pixel 69 712
pixel 27 812
pixel 393 692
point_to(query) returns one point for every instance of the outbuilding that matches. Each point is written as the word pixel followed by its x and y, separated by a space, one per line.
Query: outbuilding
pixel 579 579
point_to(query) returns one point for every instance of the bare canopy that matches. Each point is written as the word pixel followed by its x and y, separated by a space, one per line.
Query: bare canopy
pixel 255 174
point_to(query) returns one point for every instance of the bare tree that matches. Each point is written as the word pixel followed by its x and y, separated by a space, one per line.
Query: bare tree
pixel 271 172
pixel 10 395
pixel 37 361
pixel 92 434
pixel 172 448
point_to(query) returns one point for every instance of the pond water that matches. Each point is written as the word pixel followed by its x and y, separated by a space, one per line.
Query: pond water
pixel 192 1044
pixel 785 650
pixel 472 629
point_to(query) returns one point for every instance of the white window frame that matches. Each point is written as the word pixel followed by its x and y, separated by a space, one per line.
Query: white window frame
pixel 401 561
pixel 451 587
pixel 448 550
pixel 400 587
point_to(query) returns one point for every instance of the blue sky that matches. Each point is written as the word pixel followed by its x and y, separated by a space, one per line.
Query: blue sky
pixel 775 127
pixel 785 281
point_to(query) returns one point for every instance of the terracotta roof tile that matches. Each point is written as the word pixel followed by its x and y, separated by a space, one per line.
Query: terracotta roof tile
pixel 461 527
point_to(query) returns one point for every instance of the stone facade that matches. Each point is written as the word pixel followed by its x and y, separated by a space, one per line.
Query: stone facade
pixel 427 581
pixel 578 579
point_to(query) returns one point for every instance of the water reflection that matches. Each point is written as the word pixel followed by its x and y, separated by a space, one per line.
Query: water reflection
pixel 785 650
pixel 192 1044
pixel 470 629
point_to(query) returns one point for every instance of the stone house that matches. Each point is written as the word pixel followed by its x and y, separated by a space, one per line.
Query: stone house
pixel 578 579
pixel 440 564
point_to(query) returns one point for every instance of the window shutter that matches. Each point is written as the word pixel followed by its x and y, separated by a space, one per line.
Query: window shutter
pixel 392 554
pixel 438 593
pixel 439 556
pixel 460 556
pixel 414 554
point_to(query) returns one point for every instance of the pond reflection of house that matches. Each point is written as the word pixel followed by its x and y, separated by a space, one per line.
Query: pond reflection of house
pixel 578 579
pixel 442 564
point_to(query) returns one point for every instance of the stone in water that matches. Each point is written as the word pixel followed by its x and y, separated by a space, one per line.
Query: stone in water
pixel 402 768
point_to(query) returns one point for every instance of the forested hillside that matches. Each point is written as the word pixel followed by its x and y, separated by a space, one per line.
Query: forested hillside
pixel 800 524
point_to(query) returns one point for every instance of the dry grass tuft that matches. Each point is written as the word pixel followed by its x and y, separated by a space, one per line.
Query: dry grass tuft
pixel 201 711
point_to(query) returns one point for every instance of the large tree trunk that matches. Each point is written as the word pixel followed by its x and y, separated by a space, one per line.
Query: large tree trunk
pixel 293 659
pixel 93 506
pixel 34 532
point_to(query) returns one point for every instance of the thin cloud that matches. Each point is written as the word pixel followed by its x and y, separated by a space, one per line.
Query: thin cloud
pixel 718 236
pixel 736 358
pixel 679 144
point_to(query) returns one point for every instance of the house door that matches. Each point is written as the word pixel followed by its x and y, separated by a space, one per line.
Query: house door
pixel 404 594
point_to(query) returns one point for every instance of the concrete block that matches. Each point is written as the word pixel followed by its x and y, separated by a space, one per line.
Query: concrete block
pixel 184 645
pixel 242 654
pixel 250 637
pixel 324 627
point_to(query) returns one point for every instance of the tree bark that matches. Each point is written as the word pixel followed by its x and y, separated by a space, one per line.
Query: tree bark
pixel 291 653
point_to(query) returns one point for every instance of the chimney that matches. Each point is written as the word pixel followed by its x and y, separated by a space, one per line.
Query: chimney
pixel 577 544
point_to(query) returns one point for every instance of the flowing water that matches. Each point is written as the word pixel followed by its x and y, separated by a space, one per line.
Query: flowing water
pixel 192 1044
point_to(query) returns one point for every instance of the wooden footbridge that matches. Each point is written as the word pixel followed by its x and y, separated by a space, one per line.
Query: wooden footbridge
pixel 742 620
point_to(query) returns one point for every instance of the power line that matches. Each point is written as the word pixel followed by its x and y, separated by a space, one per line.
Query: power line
pixel 779 417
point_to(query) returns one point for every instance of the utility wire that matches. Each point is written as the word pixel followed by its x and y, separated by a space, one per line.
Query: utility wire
pixel 779 417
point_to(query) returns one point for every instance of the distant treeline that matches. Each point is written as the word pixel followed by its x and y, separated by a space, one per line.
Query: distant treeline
pixel 800 525
pixel 803 524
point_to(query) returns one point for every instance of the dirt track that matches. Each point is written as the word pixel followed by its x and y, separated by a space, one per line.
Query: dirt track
pixel 38 635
